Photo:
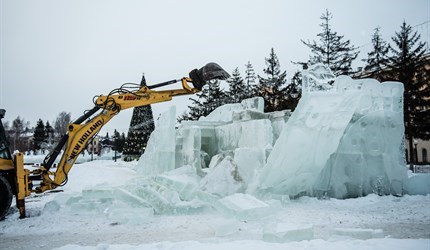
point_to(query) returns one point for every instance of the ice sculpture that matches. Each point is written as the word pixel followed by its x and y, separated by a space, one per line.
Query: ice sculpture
pixel 341 141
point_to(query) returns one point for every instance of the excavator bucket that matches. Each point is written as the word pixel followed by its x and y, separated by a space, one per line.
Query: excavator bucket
pixel 210 71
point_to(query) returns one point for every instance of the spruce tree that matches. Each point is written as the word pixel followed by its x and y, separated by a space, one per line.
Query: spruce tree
pixel 293 91
pixel 210 98
pixel 332 49
pixel 141 127
pixel 238 89
pixel 196 108
pixel 39 136
pixel 250 80
pixel 377 58
pixel 49 132
pixel 272 88
pixel 407 66
pixel 215 97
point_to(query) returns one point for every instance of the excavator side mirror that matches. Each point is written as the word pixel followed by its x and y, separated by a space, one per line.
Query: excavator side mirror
pixel 210 71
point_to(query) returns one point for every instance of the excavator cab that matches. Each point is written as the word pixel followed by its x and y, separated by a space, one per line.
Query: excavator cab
pixel 7 171
pixel 4 144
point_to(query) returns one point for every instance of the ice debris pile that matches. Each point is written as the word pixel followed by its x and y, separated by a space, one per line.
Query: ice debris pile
pixel 345 139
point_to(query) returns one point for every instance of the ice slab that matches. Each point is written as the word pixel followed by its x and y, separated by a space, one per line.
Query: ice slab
pixel 418 184
pixel 223 179
pixel 310 136
pixel 225 113
pixel 159 154
pixel 249 161
pixel 285 232
pixel 249 134
pixel 356 233
pixel 182 180
pixel 243 207
pixel 369 156
pixel 344 141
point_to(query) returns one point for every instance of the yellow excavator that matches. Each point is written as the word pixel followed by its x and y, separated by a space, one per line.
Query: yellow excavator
pixel 17 181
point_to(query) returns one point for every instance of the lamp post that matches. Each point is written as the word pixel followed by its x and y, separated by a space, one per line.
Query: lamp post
pixel 415 151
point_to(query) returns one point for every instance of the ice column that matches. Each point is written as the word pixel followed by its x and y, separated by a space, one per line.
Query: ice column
pixel 159 155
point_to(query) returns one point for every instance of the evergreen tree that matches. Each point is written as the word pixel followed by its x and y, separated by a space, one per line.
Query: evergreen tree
pixel 49 132
pixel 406 65
pixel 377 58
pixel 238 89
pixel 332 49
pixel 196 108
pixel 250 80
pixel 39 136
pixel 293 91
pixel 215 97
pixel 210 98
pixel 141 127
pixel 272 88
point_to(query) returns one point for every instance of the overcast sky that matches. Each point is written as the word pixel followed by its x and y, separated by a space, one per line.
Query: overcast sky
pixel 56 55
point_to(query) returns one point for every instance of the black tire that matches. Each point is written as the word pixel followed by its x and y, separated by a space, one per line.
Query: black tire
pixel 5 197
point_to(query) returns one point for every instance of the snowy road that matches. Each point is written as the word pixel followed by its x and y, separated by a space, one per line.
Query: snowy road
pixel 385 222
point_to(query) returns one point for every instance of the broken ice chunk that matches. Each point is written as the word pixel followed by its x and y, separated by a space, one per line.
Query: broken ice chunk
pixel 284 232
pixel 223 179
pixel 248 160
pixel 243 207
pixel 357 233
pixel 183 180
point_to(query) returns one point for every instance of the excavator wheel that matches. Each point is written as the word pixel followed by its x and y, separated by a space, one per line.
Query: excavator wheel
pixel 5 197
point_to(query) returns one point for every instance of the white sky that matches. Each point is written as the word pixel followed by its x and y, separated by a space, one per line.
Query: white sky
pixel 56 54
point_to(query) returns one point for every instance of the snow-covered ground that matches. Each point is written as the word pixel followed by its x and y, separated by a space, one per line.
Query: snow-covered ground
pixel 372 222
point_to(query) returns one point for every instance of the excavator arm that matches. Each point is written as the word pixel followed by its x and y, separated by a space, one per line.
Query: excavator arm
pixel 86 127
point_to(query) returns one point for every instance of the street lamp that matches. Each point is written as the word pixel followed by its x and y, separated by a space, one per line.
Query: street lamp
pixel 415 150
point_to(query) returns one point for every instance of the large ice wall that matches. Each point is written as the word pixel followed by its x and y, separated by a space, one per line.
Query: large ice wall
pixel 343 140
